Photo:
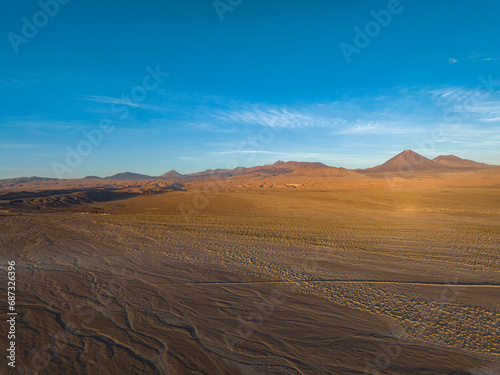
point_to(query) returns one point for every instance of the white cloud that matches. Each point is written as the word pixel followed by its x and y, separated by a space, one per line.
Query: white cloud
pixel 378 128
pixel 469 134
pixel 37 125
pixel 279 117
pixel 474 105
pixel 122 101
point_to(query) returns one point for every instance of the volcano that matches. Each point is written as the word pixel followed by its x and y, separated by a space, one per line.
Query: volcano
pixel 406 162
pixel 171 174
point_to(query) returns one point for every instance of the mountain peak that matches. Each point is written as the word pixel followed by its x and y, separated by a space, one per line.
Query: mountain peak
pixel 171 174
pixel 406 162
pixel 409 152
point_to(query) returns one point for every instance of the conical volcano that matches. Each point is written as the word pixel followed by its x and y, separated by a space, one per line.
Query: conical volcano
pixel 405 162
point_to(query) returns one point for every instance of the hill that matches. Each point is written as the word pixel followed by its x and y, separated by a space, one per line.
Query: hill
pixel 324 171
pixel 278 168
pixel 171 174
pixel 129 176
pixel 456 162
pixel 282 167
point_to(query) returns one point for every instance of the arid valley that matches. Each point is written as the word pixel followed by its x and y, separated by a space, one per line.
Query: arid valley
pixel 233 187
pixel 290 268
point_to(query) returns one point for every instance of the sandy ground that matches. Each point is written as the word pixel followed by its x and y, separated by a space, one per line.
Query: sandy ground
pixel 260 281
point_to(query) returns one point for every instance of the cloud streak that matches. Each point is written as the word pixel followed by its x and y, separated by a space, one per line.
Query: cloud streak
pixel 122 101
pixel 378 128
pixel 475 105
pixel 279 117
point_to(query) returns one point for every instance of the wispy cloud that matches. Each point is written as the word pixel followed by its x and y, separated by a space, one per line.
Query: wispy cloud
pixel 25 77
pixel 122 101
pixel 279 117
pixel 474 105
pixel 35 124
pixel 487 112
pixel 378 128
pixel 470 135
pixel 453 93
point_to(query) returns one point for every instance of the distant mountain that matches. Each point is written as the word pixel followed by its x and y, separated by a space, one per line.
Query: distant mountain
pixel 129 176
pixel 406 162
pixel 19 181
pixel 280 167
pixel 456 162
pixel 322 172
pixel 171 174
pixel 26 180
pixel 216 172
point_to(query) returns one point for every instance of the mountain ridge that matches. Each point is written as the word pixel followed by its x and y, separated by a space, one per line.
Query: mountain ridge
pixel 455 161
pixel 405 162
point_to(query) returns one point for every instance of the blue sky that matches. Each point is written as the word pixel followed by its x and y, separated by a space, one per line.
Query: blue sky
pixel 249 83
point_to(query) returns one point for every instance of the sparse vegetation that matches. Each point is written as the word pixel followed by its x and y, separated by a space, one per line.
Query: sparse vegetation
pixel 153 287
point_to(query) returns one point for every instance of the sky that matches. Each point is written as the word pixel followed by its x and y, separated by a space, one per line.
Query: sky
pixel 100 87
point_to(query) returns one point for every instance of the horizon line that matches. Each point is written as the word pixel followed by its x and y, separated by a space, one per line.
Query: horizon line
pixel 230 169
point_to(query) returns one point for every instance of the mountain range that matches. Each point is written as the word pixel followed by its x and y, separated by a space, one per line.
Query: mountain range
pixel 403 163
pixel 407 161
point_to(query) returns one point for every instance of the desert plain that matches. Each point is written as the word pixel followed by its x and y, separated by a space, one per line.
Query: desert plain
pixel 326 272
